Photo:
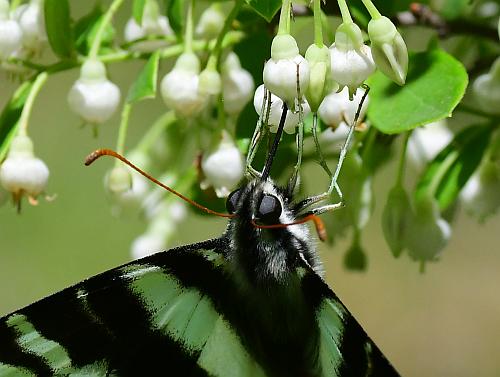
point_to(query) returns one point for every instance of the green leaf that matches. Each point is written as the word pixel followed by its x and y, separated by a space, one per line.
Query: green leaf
pixel 453 166
pixel 145 84
pixel 138 10
pixel 175 15
pixel 451 9
pixel 266 8
pixel 86 28
pixel 436 83
pixel 58 27
pixel 10 116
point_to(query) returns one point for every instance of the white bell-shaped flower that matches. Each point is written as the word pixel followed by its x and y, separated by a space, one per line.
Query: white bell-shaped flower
pixel 427 141
pixel 118 180
pixel 180 87
pixel 93 96
pixel 237 85
pixel 486 89
pixel 320 77
pixel 351 59
pixel 22 173
pixel 10 32
pixel 336 108
pixel 31 19
pixel 153 24
pixel 210 82
pixel 223 167
pixel 281 71
pixel 481 194
pixel 291 120
pixel 211 22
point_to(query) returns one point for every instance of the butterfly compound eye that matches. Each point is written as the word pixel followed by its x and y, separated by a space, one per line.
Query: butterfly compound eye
pixel 269 210
pixel 232 201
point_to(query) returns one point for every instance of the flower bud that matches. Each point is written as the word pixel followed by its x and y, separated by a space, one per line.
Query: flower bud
pixel 428 233
pixel 396 219
pixel 211 22
pixel 351 60
pixel 336 108
pixel 21 172
pixel 237 85
pixel 355 258
pixel 10 32
pixel 118 180
pixel 320 77
pixel 93 96
pixel 280 72
pixel 180 87
pixel 291 120
pixel 481 193
pixel 153 24
pixel 223 167
pixel 32 23
pixel 388 49
pixel 486 89
pixel 210 82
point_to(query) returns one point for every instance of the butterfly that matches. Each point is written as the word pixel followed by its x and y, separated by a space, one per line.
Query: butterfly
pixel 249 303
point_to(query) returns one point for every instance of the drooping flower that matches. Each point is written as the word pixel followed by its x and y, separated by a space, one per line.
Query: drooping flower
pixel 31 18
pixel 211 22
pixel 320 76
pixel 93 96
pixel 10 32
pixel 486 89
pixel 237 85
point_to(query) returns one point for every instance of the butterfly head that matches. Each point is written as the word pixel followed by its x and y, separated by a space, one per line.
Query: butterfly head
pixel 261 240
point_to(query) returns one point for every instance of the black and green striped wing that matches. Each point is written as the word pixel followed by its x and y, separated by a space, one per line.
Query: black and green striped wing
pixel 173 314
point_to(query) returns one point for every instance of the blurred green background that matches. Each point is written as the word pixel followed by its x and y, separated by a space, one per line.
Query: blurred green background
pixel 445 322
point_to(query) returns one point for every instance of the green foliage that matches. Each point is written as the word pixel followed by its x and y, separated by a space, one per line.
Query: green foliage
pixel 445 176
pixel 138 10
pixel 85 30
pixel 145 85
pixel 266 8
pixel 58 27
pixel 175 14
pixel 435 84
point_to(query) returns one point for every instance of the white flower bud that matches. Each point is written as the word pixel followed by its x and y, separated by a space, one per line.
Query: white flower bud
pixel 486 89
pixel 291 120
pixel 426 142
pixel 280 72
pixel 93 96
pixel 118 180
pixel 223 167
pixel 428 233
pixel 336 108
pixel 21 172
pixel 211 22
pixel 153 24
pixel 389 49
pixel 351 60
pixel 10 32
pixel 210 82
pixel 237 85
pixel 481 194
pixel 180 87
pixel 320 76
pixel 32 23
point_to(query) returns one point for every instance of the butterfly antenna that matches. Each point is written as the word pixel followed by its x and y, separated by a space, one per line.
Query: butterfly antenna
pixel 108 152
pixel 274 147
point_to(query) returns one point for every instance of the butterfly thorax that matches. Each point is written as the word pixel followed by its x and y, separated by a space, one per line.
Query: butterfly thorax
pixel 267 266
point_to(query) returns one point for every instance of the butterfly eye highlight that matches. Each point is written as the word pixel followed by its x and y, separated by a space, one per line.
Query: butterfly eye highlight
pixel 269 210
pixel 232 201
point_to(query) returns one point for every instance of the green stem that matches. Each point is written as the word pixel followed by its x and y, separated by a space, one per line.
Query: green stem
pixel 344 11
pixel 284 25
pixel 402 160
pixel 96 44
pixel 443 169
pixel 216 52
pixel 155 131
pixel 28 105
pixel 188 37
pixel 318 24
pixel 122 132
pixel 370 7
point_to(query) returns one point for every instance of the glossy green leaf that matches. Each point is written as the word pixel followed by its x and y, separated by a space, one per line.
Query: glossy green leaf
pixel 436 83
pixel 86 28
pixel 145 85
pixel 266 8
pixel 58 27
pixel 138 10
pixel 449 171
pixel 10 116
pixel 176 15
